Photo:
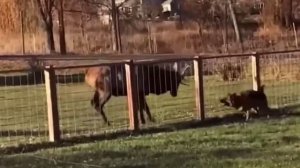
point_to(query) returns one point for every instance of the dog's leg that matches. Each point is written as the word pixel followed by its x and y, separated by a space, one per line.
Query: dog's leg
pixel 247 115
pixel 249 112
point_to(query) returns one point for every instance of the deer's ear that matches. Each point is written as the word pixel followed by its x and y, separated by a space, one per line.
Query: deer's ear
pixel 184 70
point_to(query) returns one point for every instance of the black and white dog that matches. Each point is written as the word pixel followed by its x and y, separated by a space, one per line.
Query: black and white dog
pixel 249 101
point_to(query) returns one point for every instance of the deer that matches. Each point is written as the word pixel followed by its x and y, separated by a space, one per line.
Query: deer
pixel 110 81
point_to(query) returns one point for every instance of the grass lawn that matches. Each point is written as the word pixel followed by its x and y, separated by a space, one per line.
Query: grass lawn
pixel 261 143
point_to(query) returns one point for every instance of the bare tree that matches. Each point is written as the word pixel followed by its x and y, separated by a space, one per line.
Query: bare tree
pixel 204 13
pixel 287 13
pixel 235 23
pixel 62 38
pixel 114 11
pixel 46 10
pixel 116 27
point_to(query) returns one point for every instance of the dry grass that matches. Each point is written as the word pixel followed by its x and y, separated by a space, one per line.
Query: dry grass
pixel 167 36
pixel 272 32
pixel 8 17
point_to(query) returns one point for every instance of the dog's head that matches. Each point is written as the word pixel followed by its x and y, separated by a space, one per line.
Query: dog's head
pixel 231 100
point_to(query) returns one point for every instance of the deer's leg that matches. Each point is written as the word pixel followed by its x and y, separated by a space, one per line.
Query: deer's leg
pixel 104 101
pixel 95 99
pixel 103 98
pixel 148 112
pixel 141 108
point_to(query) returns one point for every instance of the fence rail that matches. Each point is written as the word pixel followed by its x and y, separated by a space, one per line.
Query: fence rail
pixel 200 63
pixel 117 57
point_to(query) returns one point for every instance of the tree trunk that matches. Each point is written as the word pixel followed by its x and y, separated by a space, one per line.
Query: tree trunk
pixel 149 37
pixel 22 31
pixel 287 13
pixel 62 38
pixel 119 42
pixel 114 26
pixel 225 29
pixel 50 37
pixel 46 9
pixel 235 24
pixel 82 26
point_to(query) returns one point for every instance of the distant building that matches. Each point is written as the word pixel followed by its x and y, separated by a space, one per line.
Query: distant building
pixel 170 8
pixel 142 8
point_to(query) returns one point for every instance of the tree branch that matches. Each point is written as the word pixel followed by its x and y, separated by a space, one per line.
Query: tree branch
pixel 41 10
pixel 122 3
pixel 80 11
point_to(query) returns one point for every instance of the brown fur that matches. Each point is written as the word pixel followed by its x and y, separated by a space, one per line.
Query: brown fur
pixel 93 78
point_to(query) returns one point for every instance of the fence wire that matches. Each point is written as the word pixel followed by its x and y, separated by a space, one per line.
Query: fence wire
pixel 168 99
pixel 23 114
pixel 223 76
pixel 280 74
pixel 77 115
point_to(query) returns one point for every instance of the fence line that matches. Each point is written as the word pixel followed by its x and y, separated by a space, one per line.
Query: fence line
pixel 136 57
pixel 132 89
pixel 132 97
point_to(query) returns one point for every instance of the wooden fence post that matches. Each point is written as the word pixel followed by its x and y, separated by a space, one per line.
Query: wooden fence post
pixel 53 118
pixel 255 71
pixel 198 75
pixel 132 96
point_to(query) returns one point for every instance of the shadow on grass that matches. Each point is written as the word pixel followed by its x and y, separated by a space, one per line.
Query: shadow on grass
pixel 228 153
pixel 144 157
pixel 209 122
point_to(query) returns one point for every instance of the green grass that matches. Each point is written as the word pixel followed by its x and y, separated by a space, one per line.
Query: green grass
pixel 262 143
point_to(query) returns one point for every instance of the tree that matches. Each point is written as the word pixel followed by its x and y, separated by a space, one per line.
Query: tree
pixel 152 8
pixel 46 10
pixel 235 24
pixel 114 11
pixel 116 26
pixel 62 38
pixel 204 13
pixel 287 13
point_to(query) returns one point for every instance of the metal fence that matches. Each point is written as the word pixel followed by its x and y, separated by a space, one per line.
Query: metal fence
pixel 54 103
